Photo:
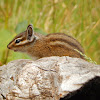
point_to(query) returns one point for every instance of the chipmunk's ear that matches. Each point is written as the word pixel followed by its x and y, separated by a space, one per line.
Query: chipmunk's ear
pixel 30 32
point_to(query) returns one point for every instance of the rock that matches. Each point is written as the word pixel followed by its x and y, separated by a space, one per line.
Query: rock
pixel 49 78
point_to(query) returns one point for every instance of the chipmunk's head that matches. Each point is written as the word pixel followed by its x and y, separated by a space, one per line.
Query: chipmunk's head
pixel 22 40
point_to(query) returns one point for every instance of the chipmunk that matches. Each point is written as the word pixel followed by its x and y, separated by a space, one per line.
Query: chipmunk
pixel 38 45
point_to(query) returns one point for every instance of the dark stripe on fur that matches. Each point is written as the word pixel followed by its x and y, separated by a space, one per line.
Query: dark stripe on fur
pixel 66 41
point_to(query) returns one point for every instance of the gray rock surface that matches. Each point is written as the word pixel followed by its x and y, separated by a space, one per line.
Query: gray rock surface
pixel 45 79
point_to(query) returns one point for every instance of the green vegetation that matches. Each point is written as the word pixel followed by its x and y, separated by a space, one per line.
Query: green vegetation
pixel 78 18
pixel 86 58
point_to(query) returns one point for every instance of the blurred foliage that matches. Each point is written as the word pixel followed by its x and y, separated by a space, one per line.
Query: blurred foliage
pixel 78 18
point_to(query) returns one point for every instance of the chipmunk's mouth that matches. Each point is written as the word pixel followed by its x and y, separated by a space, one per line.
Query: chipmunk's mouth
pixel 15 50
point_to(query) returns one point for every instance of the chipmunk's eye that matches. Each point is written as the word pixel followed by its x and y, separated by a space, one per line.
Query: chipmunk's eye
pixel 17 41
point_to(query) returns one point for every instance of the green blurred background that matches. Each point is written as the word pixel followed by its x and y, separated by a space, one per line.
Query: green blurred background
pixel 78 18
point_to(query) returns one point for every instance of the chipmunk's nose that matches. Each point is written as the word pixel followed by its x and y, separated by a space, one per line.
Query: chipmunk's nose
pixel 8 46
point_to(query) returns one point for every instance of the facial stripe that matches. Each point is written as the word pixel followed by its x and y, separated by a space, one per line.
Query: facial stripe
pixel 18 38
pixel 25 42
pixel 22 42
